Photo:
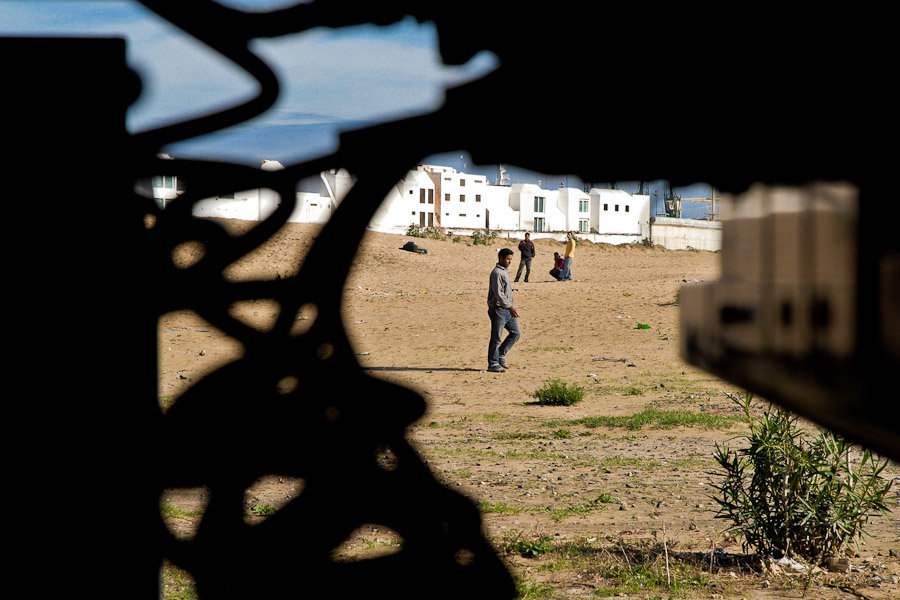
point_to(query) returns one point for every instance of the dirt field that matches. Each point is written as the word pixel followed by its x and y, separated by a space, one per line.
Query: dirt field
pixel 584 499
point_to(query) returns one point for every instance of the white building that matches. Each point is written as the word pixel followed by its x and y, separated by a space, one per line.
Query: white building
pixel 318 197
pixel 460 198
pixel 438 196
pixel 576 206
pixel 164 188
pixel 614 213
pixel 247 205
pixel 410 202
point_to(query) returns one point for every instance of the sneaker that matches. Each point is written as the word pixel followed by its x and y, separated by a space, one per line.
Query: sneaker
pixel 503 362
pixel 495 369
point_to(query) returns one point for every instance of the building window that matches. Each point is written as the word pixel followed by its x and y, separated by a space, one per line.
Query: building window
pixel 627 207
pixel 462 183
pixel 606 207
pixel 430 196
pixel 617 208
pixel 538 223
pixel 539 204
pixel 584 225
pixel 164 181
pixel 462 197
pixel 477 197
pixel 421 195
pixel 446 197
pixel 582 206
pixel 462 214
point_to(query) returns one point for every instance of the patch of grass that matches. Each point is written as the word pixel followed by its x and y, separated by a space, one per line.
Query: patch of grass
pixel 559 393
pixel 549 349
pixel 655 418
pixel 177 584
pixel 257 509
pixel 607 499
pixel 500 508
pixel 169 511
pixel 529 548
pixel 516 435
pixel 530 591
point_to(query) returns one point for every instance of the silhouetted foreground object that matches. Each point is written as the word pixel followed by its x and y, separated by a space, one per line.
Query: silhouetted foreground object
pixel 788 106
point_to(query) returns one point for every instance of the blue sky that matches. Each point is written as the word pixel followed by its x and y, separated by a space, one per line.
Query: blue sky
pixel 331 80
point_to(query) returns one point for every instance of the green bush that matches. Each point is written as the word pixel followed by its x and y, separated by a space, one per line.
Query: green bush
pixel 796 494
pixel 484 237
pixel 558 392
pixel 433 233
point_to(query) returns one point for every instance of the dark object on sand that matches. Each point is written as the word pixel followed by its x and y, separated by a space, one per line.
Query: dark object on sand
pixel 412 247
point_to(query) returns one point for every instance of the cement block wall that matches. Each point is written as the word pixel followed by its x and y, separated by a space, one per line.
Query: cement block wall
pixel 686 234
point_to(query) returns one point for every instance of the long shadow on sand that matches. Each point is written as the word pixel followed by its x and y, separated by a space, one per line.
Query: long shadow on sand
pixel 426 369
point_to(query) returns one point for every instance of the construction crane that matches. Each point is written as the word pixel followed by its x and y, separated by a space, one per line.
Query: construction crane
pixel 671 200
pixel 711 212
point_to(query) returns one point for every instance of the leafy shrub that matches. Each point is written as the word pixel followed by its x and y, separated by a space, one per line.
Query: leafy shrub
pixel 433 233
pixel 558 392
pixel 484 237
pixel 794 494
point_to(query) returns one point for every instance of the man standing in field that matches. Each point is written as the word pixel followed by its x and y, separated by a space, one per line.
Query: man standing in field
pixel 502 313
pixel 569 256
pixel 526 248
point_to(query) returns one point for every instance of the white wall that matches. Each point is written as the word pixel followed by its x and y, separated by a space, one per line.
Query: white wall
pixel 245 205
pixel 616 211
pixel 683 234
pixel 402 205
pixel 568 200
pixel 462 201
pixel 522 198
pixel 498 210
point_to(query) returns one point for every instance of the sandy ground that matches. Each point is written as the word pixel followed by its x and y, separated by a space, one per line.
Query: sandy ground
pixel 420 320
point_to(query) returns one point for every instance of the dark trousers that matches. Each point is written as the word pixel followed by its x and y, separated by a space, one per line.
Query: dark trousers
pixel 526 263
pixel 500 320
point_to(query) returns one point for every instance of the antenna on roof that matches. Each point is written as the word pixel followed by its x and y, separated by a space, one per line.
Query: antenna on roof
pixel 502 175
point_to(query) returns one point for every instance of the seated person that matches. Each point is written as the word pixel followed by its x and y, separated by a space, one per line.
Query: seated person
pixel 559 266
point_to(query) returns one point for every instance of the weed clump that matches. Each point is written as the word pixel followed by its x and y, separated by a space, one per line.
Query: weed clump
pixel 559 393
pixel 431 233
pixel 793 494
pixel 484 237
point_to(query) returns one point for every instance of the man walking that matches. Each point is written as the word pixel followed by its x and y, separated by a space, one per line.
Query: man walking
pixel 502 313
pixel 526 248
